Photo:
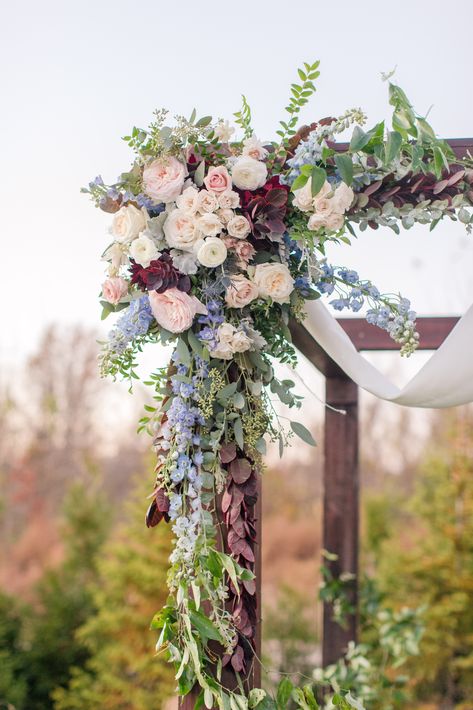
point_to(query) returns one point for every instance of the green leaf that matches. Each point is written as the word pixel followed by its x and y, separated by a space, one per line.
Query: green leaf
pixel 183 352
pixel 358 140
pixel 299 182
pixel 393 146
pixel 204 121
pixel 199 174
pixel 303 433
pixel 226 392
pixel 205 628
pixel 284 691
pixel 256 695
pixel 194 342
pixel 318 178
pixel 238 433
pixel 345 166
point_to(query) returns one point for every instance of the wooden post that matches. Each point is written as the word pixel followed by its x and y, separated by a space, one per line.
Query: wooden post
pixel 341 504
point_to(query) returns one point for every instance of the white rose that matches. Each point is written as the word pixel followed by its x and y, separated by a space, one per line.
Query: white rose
pixel 342 198
pixel 180 230
pixel 248 173
pixel 334 222
pixel 303 199
pixel 323 206
pixel 209 224
pixel 225 215
pixel 238 227
pixel 212 253
pixel 189 200
pixel 274 281
pixel 254 148
pixel 207 201
pixel 229 199
pixel 315 222
pixel 240 342
pixel 225 333
pixel 143 250
pixel 127 223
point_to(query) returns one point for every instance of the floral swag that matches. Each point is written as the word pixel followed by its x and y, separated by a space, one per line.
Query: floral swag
pixel 218 241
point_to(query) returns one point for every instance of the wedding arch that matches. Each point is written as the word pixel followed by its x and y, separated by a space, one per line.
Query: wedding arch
pixel 220 247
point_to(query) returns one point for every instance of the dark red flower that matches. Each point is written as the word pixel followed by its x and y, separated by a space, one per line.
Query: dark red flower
pixel 159 276
pixel 266 208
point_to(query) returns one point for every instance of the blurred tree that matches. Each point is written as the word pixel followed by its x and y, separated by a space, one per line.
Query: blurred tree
pixel 123 673
pixel 430 560
pixel 12 658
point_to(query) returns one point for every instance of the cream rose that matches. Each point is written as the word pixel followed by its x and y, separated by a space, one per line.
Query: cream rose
pixel 238 227
pixel 207 201
pixel 229 199
pixel 218 180
pixel 303 199
pixel 240 342
pixel 248 173
pixel 143 250
pixel 163 179
pixel 315 222
pixel 323 206
pixel 127 223
pixel 114 288
pixel 180 230
pixel 209 224
pixel 334 222
pixel 225 215
pixel 175 310
pixel 274 281
pixel 189 200
pixel 241 292
pixel 212 252
pixel 342 198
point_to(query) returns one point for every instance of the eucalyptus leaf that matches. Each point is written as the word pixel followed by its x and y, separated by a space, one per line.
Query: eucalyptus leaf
pixel 238 433
pixel 344 164
pixel 303 433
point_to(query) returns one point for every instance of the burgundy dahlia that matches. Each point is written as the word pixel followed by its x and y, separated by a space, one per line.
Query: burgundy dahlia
pixel 159 276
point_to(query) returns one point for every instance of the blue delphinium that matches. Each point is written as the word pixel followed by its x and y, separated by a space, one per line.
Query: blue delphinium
pixel 133 322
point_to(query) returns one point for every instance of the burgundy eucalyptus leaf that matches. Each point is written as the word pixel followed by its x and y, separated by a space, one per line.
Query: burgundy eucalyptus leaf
pixel 227 453
pixel 240 470
pixel 226 501
pixel 153 515
pixel 162 501
pixel 238 660
pixel 373 187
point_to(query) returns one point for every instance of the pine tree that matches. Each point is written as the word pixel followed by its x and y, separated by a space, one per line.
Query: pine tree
pixel 430 560
pixel 123 672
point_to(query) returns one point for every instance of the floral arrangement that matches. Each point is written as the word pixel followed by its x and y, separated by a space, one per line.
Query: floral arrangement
pixel 218 242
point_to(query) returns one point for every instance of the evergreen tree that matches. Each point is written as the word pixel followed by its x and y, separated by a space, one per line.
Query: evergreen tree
pixel 430 560
pixel 123 672
pixel 12 659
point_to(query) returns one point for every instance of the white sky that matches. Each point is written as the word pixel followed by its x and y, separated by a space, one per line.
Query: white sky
pixel 76 76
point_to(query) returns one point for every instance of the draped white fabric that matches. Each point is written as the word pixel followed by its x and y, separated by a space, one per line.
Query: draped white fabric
pixel 446 380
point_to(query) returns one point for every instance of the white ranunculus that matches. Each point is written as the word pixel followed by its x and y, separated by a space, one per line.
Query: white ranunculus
pixel 248 173
pixel 143 250
pixel 238 227
pixel 127 223
pixel 342 198
pixel 209 224
pixel 180 230
pixel 274 281
pixel 212 253
pixel 189 200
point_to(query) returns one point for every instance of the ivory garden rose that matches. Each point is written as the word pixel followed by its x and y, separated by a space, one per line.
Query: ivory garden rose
pixel 163 179
pixel 181 231
pixel 274 281
pixel 127 223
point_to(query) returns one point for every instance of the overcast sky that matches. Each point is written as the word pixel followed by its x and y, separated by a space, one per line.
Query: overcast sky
pixel 75 76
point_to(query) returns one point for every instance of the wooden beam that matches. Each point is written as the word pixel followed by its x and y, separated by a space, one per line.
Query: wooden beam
pixel 364 336
pixel 341 506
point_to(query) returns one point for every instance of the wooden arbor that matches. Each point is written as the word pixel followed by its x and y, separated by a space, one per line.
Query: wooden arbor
pixel 341 471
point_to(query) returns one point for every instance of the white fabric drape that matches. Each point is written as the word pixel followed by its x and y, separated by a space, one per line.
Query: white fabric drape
pixel 446 380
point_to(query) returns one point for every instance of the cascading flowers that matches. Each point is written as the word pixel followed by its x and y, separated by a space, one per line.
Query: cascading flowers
pixel 217 242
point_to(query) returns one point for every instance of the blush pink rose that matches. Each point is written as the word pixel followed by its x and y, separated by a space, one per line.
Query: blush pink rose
pixel 114 288
pixel 243 249
pixel 163 179
pixel 218 180
pixel 175 310
pixel 241 292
